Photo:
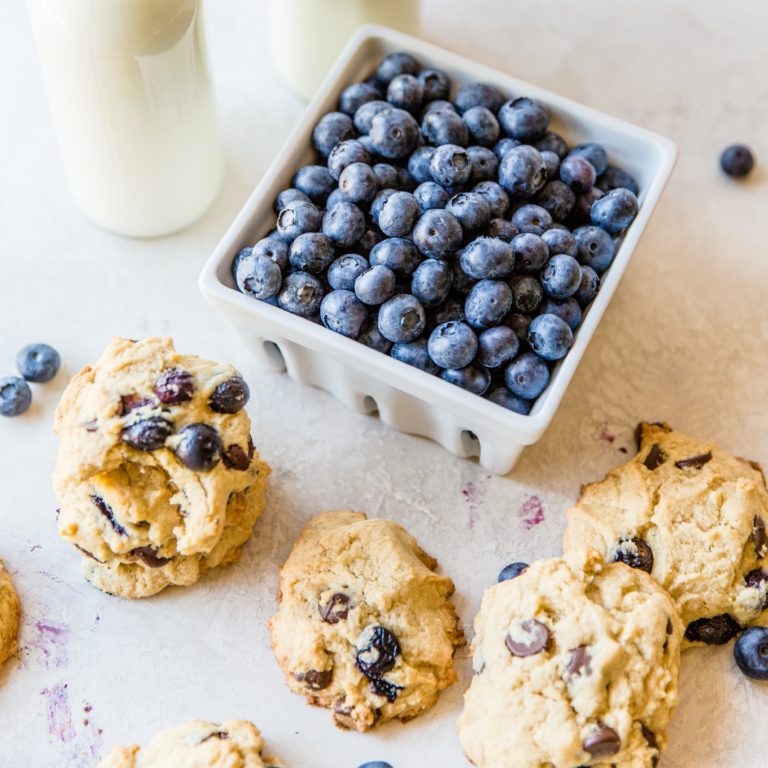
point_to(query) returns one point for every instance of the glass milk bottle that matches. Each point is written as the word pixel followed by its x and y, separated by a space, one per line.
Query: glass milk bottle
pixel 308 35
pixel 133 106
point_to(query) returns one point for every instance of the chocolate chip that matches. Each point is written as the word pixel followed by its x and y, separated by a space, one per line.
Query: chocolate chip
pixel 148 434
pixel 315 679
pixel 335 609
pixel 717 630
pixel 215 735
pixel 655 457
pixel 174 386
pixel 130 403
pixel 635 553
pixel 88 554
pixel 91 426
pixel 669 626
pixel 761 539
pixel 695 462
pixel 650 738
pixel 384 688
pixel 580 659
pixel 602 742
pixel 378 654
pixel 149 556
pixel 108 512
pixel 236 458
pixel 537 639
pixel 251 448
pixel 639 430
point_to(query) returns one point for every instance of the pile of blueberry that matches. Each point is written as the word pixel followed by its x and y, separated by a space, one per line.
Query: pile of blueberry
pixel 37 363
pixel 461 237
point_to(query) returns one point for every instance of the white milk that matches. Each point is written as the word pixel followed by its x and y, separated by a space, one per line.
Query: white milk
pixel 308 35
pixel 133 106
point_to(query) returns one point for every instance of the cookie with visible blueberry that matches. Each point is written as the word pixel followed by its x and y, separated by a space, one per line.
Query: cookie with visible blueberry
pixel 10 610
pixel 157 477
pixel 691 515
pixel 364 625
pixel 232 744
pixel 576 663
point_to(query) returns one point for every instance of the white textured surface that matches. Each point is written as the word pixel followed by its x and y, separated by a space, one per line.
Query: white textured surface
pixel 685 339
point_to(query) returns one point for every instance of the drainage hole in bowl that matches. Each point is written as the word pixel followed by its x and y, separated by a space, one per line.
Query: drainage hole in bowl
pixel 369 406
pixel 470 443
pixel 272 351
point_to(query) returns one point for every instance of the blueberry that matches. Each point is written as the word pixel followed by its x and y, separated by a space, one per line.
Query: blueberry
pixel 394 133
pixel 487 303
pixel 315 181
pixel 239 256
pixel 552 142
pixel 394 64
pixel 549 336
pixel 174 386
pixel 288 196
pixel 485 165
pixel 511 571
pixel 561 276
pixel 487 257
pixel 560 241
pixel 313 252
pixel 335 198
pixel 418 164
pixel 344 224
pixel 435 84
pixel 405 92
pixel 405 182
pixel 415 353
pixel 231 396
pixel 531 252
pixel 330 130
pixel 431 282
pixel 503 397
pixel 398 214
pixel 198 447
pixel 371 337
pixel 497 346
pixel 347 153
pixel 145 435
pixel 430 195
pixel 375 764
pixel 578 173
pixel 524 119
pixel 751 653
pixel 274 248
pixel 581 212
pixel 595 153
pixel 452 345
pixel 342 312
pixel 345 270
pixel 452 309
pixel 568 310
pixel 473 378
pixel 471 210
pixel 520 323
pixel 366 112
pixel 297 218
pixel 437 233
pixel 450 165
pixel 259 276
pixel 436 105
pixel 551 163
pixel 397 253
pixel 365 142
pixel 356 95
pixel 527 376
pixel 38 362
pixel 532 218
pixel 613 178
pixel 402 318
pixel 462 282
pixel 588 287
pixel 301 294
pixel 502 229
pixel 444 126
pixel 358 183
pixel 497 198
pixel 379 201
pixel 478 95
pixel 386 176
pixel 557 198
pixel 482 125
pixel 614 211
pixel 369 239
pixel 15 396
pixel 522 171
pixel 375 285
pixel 527 293
pixel 596 248
pixel 503 146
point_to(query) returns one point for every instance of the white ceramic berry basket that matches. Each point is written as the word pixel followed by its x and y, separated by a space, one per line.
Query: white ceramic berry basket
pixel 368 381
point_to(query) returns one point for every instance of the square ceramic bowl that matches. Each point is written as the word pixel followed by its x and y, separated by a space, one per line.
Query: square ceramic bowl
pixel 404 397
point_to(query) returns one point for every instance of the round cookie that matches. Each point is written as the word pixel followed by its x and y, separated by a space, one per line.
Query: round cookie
pixel 364 626
pixel 692 516
pixel 156 475
pixel 199 744
pixel 10 611
pixel 576 664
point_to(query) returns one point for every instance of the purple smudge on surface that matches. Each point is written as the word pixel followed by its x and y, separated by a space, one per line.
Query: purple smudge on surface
pixel 87 749
pixel 606 435
pixel 59 715
pixel 532 512
pixel 472 496
pixel 623 449
pixel 35 546
pixel 51 640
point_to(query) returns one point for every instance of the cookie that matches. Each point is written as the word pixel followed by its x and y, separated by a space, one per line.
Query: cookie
pixel 10 610
pixel 199 744
pixel 157 477
pixel 364 626
pixel 692 516
pixel 576 664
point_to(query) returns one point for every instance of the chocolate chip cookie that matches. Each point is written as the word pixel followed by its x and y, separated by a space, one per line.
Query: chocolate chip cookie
pixel 576 664
pixel 157 476
pixel 364 626
pixel 692 516
pixel 9 617
pixel 234 744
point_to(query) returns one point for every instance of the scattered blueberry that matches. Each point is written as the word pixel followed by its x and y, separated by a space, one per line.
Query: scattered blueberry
pixel 301 294
pixel 581 212
pixel 496 197
pixel 259 276
pixel 387 176
pixel 342 312
pixel 394 64
pixel 578 173
pixel 397 253
pixel 431 282
pixel 503 397
pixel 549 336
pixel 344 224
pixel 315 181
pixel 497 346
pixel 452 345
pixel 418 164
pixel 519 323
pixel 482 125
pixel 569 311
pixel 751 653
pixel 588 287
pixel 435 84
pixel 239 256
pixel 38 363
pixel 430 195
pixel 402 318
pixel 527 293
pixel 437 233
pixel 551 163
pixel 471 210
pixel 524 119
pixel 473 378
pixel 560 241
pixel 394 133
pixel 503 146
pixel 511 571
pixel 596 248
pixel 552 142
pixel 522 171
pixel 450 165
pixel 478 95
pixel 415 353
pixel 347 153
pixel 288 196
pixel 595 153
pixel 330 130
pixel 371 337
pixel 444 126
pixel 358 183
pixel 557 198
pixel 312 252
pixel 502 229
pixel 614 211
pixel 366 112
pixel 531 252
pixel 532 218
pixel 375 285
pixel 15 396
pixel 487 303
pixel 405 92
pixel 345 270
pixel 354 96
pixel 561 277
pixel 527 376
pixel 487 257
pixel 613 178
pixel 484 164
pixel 375 764
pixel 274 248
pixel 398 214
